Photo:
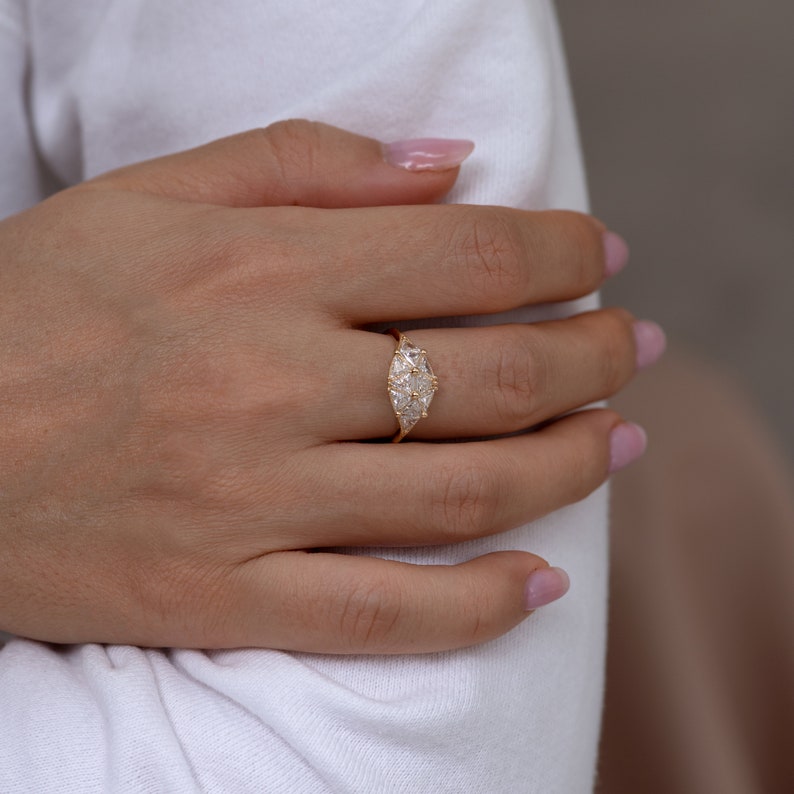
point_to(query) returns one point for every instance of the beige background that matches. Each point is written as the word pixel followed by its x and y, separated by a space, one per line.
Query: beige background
pixel 687 118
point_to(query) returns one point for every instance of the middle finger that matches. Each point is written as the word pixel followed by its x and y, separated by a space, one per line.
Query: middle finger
pixel 492 380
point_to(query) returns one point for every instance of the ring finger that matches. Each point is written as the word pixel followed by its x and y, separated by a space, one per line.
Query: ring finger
pixel 493 380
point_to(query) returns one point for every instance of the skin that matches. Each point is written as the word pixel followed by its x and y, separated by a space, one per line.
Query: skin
pixel 183 378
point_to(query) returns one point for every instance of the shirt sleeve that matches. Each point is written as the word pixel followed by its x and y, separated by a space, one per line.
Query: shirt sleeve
pixel 21 178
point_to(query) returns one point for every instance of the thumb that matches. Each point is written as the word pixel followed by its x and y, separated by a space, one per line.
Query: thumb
pixel 302 163
pixel 322 602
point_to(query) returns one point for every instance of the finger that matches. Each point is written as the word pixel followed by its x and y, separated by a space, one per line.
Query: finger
pixel 332 603
pixel 423 493
pixel 300 162
pixel 454 259
pixel 492 380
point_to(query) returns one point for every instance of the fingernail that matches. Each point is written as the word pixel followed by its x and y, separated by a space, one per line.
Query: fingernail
pixel 650 341
pixel 427 154
pixel 616 253
pixel 545 585
pixel 627 442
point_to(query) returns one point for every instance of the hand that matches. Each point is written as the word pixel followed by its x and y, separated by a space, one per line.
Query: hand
pixel 183 370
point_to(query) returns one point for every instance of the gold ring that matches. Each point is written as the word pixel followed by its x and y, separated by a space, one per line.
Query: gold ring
pixel 411 383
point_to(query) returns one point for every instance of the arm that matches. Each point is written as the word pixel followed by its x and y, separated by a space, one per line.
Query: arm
pixel 522 708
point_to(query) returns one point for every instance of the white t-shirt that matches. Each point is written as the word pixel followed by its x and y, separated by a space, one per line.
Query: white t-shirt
pixel 88 86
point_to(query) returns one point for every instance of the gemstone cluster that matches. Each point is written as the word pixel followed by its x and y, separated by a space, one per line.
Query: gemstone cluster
pixel 412 384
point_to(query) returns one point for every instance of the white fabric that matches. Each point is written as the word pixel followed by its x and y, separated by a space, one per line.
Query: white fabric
pixel 114 81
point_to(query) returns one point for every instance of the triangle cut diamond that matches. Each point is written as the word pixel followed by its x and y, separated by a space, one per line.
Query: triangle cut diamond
pixel 412 384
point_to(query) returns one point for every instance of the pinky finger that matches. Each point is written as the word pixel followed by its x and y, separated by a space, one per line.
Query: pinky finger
pixel 333 603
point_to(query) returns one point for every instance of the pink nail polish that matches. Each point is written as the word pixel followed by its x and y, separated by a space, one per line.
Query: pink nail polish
pixel 616 254
pixel 627 442
pixel 651 343
pixel 545 585
pixel 427 154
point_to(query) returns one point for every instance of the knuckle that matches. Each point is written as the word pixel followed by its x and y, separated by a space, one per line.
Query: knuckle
pixel 180 470
pixel 515 376
pixel 617 350
pixel 583 459
pixel 170 591
pixel 233 266
pixel 584 246
pixel 185 427
pixel 588 470
pixel 225 386
pixel 369 614
pixel 576 467
pixel 239 245
pixel 243 259
pixel 464 500
pixel 486 249
pixel 294 144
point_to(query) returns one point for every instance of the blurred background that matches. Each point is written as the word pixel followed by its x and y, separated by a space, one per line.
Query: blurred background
pixel 686 111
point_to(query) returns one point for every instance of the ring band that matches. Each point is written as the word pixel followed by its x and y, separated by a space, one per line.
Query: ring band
pixel 411 384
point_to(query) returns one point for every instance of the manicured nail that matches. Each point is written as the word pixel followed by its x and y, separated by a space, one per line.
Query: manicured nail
pixel 427 154
pixel 650 341
pixel 545 585
pixel 616 253
pixel 627 442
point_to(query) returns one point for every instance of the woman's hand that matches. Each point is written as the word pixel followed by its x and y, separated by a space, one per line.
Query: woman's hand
pixel 183 375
